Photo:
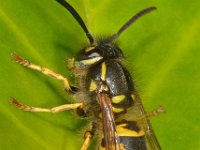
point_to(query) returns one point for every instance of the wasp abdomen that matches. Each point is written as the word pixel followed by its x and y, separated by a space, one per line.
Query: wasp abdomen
pixel 131 136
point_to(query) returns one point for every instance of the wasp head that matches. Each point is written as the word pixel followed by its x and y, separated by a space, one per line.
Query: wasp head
pixel 102 50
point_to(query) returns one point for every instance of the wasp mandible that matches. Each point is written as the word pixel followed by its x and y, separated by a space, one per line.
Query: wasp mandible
pixel 105 92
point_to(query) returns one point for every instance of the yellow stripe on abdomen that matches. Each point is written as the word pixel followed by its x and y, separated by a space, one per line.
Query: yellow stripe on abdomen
pixel 123 131
pixel 117 99
pixel 117 110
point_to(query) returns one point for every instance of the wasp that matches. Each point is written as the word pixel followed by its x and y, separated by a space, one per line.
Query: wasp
pixel 105 92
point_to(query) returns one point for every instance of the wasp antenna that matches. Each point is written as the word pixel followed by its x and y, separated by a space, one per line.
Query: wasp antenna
pixel 131 21
pixel 78 18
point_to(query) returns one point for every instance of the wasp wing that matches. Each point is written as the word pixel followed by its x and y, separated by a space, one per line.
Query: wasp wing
pixel 111 138
pixel 152 142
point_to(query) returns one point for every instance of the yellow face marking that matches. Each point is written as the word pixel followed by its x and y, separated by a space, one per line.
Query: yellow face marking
pixel 117 110
pixel 93 86
pixel 88 61
pixel 122 131
pixel 89 48
pixel 117 99
pixel 103 71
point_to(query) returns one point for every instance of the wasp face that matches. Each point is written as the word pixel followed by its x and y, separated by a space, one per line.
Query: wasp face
pixel 103 50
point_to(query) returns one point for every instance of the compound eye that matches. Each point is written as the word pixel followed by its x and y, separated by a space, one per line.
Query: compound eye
pixel 94 54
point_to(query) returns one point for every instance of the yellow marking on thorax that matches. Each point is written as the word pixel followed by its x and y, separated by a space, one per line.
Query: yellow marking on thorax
pixel 93 86
pixel 89 48
pixel 117 110
pixel 122 131
pixel 103 71
pixel 117 99
pixel 106 88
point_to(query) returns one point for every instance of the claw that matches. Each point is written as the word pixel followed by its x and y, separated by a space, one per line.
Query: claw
pixel 13 101
pixel 19 59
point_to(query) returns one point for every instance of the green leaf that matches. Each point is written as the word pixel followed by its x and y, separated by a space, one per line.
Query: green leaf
pixel 162 53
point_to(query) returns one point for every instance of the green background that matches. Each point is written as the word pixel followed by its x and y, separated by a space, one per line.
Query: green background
pixel 162 52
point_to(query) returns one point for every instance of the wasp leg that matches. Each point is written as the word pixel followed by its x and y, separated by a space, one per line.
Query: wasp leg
pixel 50 110
pixel 156 112
pixel 88 136
pixel 44 70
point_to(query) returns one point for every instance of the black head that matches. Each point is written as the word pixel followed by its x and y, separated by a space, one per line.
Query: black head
pixel 103 49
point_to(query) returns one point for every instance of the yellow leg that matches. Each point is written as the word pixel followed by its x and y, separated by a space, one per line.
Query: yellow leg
pixel 41 69
pixel 50 110
pixel 88 136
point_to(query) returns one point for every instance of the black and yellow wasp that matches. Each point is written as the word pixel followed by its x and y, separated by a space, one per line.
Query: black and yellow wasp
pixel 105 93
